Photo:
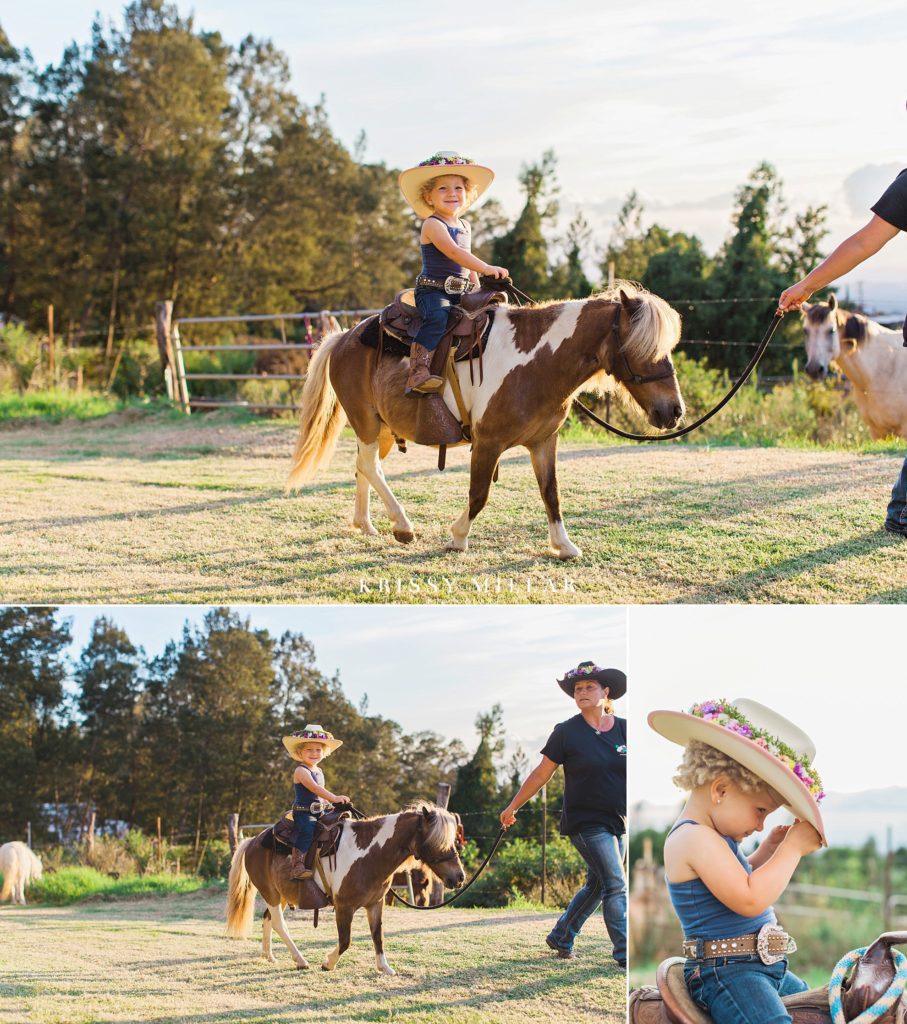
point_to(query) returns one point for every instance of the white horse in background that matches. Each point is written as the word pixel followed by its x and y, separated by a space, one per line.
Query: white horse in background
pixel 20 867
pixel 872 357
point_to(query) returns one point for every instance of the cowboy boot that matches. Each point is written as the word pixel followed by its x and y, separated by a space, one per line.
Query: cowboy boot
pixel 420 377
pixel 298 871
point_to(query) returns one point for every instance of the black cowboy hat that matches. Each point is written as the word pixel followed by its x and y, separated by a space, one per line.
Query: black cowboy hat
pixel 613 678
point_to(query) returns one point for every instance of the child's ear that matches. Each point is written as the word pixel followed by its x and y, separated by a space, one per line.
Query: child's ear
pixel 718 789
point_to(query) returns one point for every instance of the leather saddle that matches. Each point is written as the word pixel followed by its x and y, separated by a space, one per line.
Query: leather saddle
pixel 467 323
pixel 324 845
pixel 669 1001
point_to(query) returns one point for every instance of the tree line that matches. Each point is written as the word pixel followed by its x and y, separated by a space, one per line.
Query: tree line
pixel 159 161
pixel 194 734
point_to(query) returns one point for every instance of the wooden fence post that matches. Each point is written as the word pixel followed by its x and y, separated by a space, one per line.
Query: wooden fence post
pixel 160 847
pixel 436 895
pixel 163 314
pixel 51 369
pixel 91 823
pixel 233 832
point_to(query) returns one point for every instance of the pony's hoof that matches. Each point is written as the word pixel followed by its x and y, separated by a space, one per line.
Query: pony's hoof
pixel 565 554
pixel 326 966
pixel 271 959
pixel 404 536
pixel 459 548
pixel 367 529
pixel 304 966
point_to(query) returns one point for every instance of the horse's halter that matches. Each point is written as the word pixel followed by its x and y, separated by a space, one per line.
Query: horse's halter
pixel 631 376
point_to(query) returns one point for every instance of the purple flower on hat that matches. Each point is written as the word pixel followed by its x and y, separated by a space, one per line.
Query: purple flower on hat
pixel 740 728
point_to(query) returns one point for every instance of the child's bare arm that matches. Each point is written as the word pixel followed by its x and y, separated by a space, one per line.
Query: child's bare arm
pixel 768 846
pixel 434 231
pixel 306 779
pixel 712 861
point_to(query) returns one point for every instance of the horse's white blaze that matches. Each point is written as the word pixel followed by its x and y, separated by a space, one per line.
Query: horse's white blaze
pixel 383 965
pixel 501 356
pixel 561 544
pixel 349 852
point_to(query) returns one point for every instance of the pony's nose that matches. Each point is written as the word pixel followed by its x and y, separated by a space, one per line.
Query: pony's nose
pixel 678 411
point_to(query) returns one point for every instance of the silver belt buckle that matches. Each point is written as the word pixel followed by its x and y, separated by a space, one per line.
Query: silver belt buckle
pixel 762 939
pixel 455 285
pixel 317 806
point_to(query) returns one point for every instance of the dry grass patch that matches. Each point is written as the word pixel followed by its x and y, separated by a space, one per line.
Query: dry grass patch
pixel 166 960
pixel 163 509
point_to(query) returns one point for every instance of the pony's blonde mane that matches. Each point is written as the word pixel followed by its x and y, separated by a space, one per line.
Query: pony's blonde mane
pixel 654 326
pixel 441 831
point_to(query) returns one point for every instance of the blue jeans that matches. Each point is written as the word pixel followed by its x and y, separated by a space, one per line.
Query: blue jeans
pixel 606 884
pixel 742 989
pixel 434 305
pixel 305 829
pixel 896 518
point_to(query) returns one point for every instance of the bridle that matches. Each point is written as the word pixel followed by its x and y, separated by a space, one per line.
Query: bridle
pixel 631 376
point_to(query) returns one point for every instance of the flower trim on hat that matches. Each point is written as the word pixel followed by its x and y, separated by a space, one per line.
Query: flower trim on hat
pixel 585 668
pixel 311 734
pixel 442 159
pixel 722 712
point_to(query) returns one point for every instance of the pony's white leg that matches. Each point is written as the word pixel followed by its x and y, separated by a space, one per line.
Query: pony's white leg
pixel 369 466
pixel 481 471
pixel 266 937
pixel 544 462
pixel 280 926
pixel 376 927
pixel 361 515
pixel 343 918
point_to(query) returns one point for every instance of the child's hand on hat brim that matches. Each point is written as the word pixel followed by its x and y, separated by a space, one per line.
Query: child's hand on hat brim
pixel 804 837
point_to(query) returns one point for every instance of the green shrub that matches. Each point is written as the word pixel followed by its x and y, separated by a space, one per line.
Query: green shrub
pixel 515 873
pixel 20 352
pixel 78 883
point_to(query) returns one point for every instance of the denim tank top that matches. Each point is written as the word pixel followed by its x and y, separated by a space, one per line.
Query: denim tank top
pixel 436 264
pixel 704 916
pixel 303 796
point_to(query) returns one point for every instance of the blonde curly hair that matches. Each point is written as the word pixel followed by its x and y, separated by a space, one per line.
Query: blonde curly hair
pixel 472 190
pixel 703 764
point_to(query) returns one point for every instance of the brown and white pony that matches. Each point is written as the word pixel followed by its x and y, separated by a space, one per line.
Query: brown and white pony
pixel 359 875
pixel 536 360
pixel 19 867
pixel 872 357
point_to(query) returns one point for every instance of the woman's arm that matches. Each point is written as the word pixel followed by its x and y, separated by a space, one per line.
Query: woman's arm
pixel 534 782
pixel 434 231
pixel 849 254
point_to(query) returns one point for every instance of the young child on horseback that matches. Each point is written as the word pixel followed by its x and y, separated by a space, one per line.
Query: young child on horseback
pixel 309 746
pixel 742 762
pixel 439 190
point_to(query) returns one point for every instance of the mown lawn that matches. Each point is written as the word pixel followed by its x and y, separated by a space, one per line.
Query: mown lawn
pixel 165 961
pixel 155 508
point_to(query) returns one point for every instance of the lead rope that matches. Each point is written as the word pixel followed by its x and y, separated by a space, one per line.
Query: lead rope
pixel 357 814
pixel 738 384
pixel 888 998
pixel 459 892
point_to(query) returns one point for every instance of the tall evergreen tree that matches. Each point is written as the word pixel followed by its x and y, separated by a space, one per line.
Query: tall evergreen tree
pixel 476 794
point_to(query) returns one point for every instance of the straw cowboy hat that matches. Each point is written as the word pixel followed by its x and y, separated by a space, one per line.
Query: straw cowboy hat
pixel 765 742
pixel 443 162
pixel 613 678
pixel 311 734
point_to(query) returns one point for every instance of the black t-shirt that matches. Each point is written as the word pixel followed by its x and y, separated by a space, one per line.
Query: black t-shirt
pixel 595 774
pixel 892 207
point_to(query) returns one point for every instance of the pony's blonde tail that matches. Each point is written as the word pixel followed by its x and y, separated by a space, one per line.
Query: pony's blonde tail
pixel 240 896
pixel 321 420
pixel 10 867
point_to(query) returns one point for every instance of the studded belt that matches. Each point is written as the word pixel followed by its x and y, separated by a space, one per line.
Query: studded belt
pixel 453 285
pixel 771 943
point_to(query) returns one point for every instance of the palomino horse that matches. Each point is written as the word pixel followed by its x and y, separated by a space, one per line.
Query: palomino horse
pixel 872 357
pixel 358 875
pixel 536 360
pixel 20 867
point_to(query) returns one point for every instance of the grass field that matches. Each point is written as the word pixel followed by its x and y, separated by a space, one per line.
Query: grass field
pixel 165 961
pixel 154 508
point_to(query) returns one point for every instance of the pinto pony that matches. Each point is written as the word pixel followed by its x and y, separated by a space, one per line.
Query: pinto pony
pixel 359 874
pixel 871 356
pixel 20 867
pixel 536 360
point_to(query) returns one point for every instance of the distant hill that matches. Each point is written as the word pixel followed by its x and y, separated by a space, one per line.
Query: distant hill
pixel 850 818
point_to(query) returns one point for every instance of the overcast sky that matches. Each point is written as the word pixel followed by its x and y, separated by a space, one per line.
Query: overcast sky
pixel 837 672
pixel 680 103
pixel 425 667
